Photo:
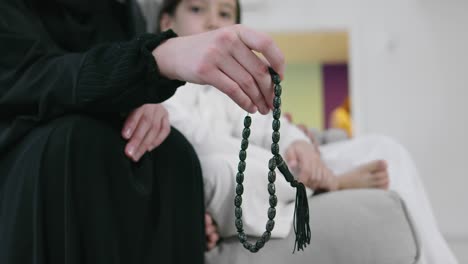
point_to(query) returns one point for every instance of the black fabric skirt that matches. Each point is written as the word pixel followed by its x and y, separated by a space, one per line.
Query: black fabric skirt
pixel 68 194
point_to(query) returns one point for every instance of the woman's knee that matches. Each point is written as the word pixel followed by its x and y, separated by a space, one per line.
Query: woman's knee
pixel 84 132
pixel 177 145
pixel 83 124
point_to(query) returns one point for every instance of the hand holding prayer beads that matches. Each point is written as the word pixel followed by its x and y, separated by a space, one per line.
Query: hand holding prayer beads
pixel 224 58
pixel 301 214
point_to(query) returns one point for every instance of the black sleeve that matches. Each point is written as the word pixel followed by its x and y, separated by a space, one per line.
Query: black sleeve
pixel 39 80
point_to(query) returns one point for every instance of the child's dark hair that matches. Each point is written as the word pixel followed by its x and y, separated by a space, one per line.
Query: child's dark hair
pixel 170 6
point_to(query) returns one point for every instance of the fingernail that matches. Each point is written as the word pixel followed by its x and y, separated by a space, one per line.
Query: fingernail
pixel 131 151
pixel 128 132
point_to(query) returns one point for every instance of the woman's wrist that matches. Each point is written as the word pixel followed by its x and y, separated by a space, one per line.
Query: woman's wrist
pixel 164 59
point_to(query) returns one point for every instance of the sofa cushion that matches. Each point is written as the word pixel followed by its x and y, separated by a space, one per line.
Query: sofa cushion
pixel 352 227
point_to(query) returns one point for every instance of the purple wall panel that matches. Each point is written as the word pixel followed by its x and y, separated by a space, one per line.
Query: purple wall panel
pixel 335 87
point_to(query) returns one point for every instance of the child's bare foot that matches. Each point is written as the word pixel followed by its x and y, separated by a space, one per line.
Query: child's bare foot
pixel 211 232
pixel 370 175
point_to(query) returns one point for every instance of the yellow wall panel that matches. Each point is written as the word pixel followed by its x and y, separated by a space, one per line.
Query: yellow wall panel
pixel 302 94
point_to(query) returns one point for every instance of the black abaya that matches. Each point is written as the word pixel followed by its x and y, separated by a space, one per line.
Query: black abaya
pixel 68 194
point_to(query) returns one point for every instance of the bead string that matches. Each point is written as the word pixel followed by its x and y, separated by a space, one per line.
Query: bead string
pixel 301 214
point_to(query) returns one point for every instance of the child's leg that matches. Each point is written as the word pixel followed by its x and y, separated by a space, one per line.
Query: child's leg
pixel 404 179
pixel 219 175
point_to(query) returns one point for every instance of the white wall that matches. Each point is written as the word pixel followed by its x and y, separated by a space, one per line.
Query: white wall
pixel 409 80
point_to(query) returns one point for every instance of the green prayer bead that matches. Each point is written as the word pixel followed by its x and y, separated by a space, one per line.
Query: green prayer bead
pixel 276 78
pixel 246 133
pixel 239 224
pixel 246 245
pixel 247 121
pixel 239 189
pixel 273 200
pixel 277 102
pixel 276 113
pixel 240 177
pixel 275 136
pixel 250 247
pixel 242 155
pixel 279 159
pixel 253 249
pixel 271 213
pixel 244 144
pixel 272 176
pixel 241 166
pixel 276 125
pixel 271 188
pixel 270 225
pixel 266 236
pixel 275 148
pixel 242 237
pixel 238 201
pixel 238 212
pixel 272 164
pixel 278 90
pixel 260 243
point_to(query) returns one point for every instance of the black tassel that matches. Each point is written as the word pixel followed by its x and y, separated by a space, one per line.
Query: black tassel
pixel 301 218
pixel 301 210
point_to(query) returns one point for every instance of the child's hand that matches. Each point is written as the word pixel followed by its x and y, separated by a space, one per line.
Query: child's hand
pixel 145 128
pixel 224 59
pixel 211 232
pixel 304 159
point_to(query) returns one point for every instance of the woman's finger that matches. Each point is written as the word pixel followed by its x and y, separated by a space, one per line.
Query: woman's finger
pixel 262 43
pixel 232 89
pixel 258 69
pixel 246 82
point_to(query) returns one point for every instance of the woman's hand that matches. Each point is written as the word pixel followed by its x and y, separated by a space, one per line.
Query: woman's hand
pixel 304 159
pixel 145 129
pixel 224 58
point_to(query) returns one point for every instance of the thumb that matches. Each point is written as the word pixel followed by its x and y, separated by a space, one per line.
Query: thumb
pixel 291 157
